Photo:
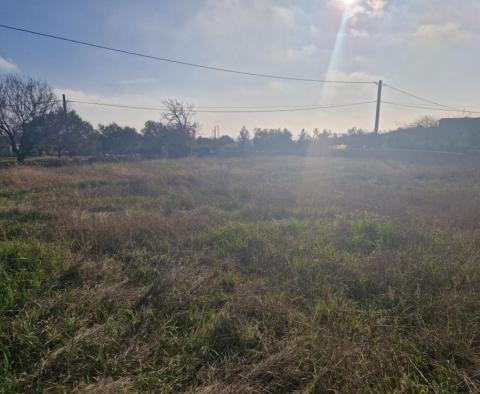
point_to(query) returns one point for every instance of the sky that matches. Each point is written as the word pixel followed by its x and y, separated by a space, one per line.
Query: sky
pixel 427 47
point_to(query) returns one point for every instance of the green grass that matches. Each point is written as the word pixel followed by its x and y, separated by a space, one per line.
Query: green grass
pixel 278 275
pixel 23 268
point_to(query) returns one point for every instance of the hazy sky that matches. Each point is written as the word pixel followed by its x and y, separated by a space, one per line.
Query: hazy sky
pixel 429 47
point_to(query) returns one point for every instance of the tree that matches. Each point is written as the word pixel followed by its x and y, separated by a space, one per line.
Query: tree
pixel 354 131
pixel 244 138
pixel 273 140
pixel 79 137
pixel 180 116
pixel 4 146
pixel 303 141
pixel 24 106
pixel 225 140
pixel 181 128
pixel 425 122
pixel 177 142
pixel 304 138
pixel 69 134
pixel 119 140
pixel 154 137
pixel 54 126
pixel 154 129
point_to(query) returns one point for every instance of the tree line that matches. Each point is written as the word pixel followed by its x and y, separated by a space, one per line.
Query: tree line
pixel 34 122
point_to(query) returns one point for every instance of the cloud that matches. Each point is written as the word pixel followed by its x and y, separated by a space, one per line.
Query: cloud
pixel 368 8
pixel 360 59
pixel 137 81
pixel 7 65
pixel 253 33
pixel 306 51
pixel 356 76
pixel 372 7
pixel 285 15
pixel 439 33
pixel 315 32
pixel 276 86
pixel 377 5
pixel 361 34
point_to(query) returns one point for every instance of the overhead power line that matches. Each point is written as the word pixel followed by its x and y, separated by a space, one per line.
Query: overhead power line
pixel 220 107
pixel 317 108
pixel 292 109
pixel 419 97
pixel 117 105
pixel 259 106
pixel 415 106
pixel 181 62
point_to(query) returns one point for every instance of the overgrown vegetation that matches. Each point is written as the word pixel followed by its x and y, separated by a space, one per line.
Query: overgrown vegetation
pixel 269 275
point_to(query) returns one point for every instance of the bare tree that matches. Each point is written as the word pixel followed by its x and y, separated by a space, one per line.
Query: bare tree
pixel 425 122
pixel 24 105
pixel 180 116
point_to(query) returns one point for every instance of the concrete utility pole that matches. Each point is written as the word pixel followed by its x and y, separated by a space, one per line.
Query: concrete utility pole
pixel 64 105
pixel 379 102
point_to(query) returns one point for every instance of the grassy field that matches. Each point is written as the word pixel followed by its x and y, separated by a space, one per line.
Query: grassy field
pixel 261 275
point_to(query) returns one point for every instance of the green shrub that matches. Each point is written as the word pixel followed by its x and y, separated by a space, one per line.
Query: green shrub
pixel 370 233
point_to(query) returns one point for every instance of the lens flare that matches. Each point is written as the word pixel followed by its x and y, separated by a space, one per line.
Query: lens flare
pixel 348 8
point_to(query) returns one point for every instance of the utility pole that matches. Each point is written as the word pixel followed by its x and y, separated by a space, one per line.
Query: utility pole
pixel 379 103
pixel 59 138
pixel 216 132
pixel 64 105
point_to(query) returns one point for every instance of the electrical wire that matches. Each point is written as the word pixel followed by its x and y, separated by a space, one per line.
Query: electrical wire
pixel 257 106
pixel 320 107
pixel 117 105
pixel 181 62
pixel 217 106
pixel 419 97
pixel 292 109
pixel 239 72
pixel 407 105
pixel 244 109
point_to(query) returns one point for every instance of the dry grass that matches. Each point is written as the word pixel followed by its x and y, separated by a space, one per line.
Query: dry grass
pixel 254 276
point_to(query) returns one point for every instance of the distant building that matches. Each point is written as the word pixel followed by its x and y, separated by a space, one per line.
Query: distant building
pixel 460 124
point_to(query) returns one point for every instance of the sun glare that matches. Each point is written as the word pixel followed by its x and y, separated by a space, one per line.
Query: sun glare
pixel 348 3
